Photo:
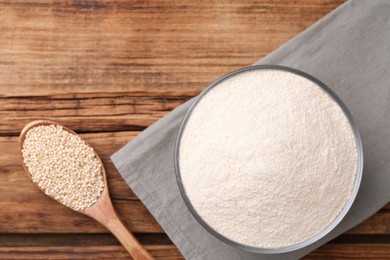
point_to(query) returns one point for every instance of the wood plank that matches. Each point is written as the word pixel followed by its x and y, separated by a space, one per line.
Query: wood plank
pixel 27 217
pixel 93 112
pixel 25 203
pixel 85 252
pixel 80 246
pixel 156 47
pixel 351 251
pixel 76 239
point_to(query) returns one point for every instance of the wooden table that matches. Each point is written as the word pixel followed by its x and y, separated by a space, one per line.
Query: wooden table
pixel 108 69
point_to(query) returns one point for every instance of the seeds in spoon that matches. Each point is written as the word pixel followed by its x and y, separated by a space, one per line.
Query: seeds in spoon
pixel 63 166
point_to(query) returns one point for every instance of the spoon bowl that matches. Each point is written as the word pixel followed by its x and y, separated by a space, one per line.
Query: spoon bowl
pixel 102 210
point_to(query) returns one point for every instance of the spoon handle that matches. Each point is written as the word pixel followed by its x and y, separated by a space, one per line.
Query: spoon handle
pixel 136 250
pixel 104 213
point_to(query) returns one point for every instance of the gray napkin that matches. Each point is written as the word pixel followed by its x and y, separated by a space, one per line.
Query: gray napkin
pixel 349 50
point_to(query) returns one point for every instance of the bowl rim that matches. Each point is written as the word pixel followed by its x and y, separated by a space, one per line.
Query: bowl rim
pixel 324 231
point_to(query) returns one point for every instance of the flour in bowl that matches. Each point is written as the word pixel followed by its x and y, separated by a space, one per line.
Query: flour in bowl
pixel 267 158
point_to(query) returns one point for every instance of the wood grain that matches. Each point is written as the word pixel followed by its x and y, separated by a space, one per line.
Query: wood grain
pixel 109 69
pixel 351 251
pixel 85 252
pixel 92 112
pixel 154 47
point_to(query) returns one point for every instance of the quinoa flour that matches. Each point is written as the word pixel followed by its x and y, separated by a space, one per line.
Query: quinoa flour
pixel 268 159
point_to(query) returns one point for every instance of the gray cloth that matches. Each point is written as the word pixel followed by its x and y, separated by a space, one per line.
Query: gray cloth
pixel 349 50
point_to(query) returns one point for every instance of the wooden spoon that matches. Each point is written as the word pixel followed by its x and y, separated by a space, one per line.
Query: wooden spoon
pixel 102 210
